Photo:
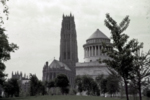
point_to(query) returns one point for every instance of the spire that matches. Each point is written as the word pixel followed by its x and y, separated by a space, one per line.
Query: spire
pixel 63 15
pixel 70 14
pixel 12 73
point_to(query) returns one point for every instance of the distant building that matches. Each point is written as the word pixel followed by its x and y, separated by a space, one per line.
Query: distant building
pixel 24 83
pixel 92 54
pixel 68 62
pixel 68 53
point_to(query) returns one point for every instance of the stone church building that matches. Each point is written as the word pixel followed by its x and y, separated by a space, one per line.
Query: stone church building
pixel 68 62
pixel 68 53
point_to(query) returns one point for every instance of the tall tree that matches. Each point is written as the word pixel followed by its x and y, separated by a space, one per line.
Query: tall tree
pixel 142 70
pixel 34 85
pixel 5 46
pixel 5 49
pixel 12 88
pixel 121 54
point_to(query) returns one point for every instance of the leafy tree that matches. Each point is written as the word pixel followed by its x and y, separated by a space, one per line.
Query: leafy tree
pixel 94 88
pixel 11 87
pixel 62 82
pixel 98 79
pixel 78 82
pixel 41 88
pixel 142 70
pixel 121 54
pixel 86 83
pixel 34 85
pixel 148 93
pixel 8 88
pixel 5 46
pixel 89 85
pixel 51 84
pixel 5 49
pixel 112 85
pixel 5 11
pixel 103 86
pixel 113 81
pixel 16 87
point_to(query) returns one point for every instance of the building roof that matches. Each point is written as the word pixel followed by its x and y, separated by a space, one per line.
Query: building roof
pixel 98 34
pixel 58 64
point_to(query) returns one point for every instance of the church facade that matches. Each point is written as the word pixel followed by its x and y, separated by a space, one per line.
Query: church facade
pixel 68 62
pixel 68 53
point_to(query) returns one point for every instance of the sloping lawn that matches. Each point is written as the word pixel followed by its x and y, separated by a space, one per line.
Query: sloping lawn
pixel 66 97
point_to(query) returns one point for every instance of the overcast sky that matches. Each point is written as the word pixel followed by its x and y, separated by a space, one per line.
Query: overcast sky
pixel 34 25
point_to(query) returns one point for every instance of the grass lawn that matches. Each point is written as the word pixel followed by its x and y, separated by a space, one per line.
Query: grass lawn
pixel 66 97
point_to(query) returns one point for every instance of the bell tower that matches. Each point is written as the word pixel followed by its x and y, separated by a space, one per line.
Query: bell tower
pixel 68 42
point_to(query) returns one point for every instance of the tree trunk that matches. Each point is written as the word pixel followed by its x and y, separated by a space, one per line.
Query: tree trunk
pixel 126 89
pixel 139 88
pixel 121 91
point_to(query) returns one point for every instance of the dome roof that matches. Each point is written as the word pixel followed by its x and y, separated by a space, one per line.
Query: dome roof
pixel 58 64
pixel 98 34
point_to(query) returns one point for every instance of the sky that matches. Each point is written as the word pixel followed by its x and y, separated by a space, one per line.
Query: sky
pixel 35 25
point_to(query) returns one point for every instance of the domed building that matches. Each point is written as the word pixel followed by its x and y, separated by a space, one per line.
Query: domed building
pixel 68 61
pixel 92 53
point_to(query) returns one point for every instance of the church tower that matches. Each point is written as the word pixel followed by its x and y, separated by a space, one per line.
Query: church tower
pixel 68 42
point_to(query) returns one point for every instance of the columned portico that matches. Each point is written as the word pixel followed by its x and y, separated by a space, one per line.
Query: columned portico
pixel 93 47
pixel 93 52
